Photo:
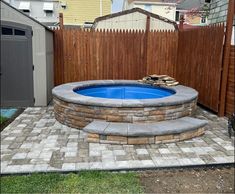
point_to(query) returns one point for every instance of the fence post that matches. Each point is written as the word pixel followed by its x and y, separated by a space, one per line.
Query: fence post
pixel 146 43
pixel 61 19
pixel 226 54
pixel 181 26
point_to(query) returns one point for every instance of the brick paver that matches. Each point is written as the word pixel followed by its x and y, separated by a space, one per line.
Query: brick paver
pixel 36 142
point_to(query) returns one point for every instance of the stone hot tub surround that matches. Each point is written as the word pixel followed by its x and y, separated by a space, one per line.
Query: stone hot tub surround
pixel 78 111
pixel 145 133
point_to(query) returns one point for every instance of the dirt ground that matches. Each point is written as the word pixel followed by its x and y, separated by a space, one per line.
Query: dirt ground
pixel 191 180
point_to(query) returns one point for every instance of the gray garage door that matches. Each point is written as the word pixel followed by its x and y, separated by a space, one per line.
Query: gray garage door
pixel 16 65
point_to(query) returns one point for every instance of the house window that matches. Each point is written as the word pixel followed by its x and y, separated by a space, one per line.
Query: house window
pixel 7 31
pixel 48 9
pixel 203 20
pixel 25 7
pixel 26 12
pixel 19 32
pixel 148 7
pixel 177 16
pixel 49 13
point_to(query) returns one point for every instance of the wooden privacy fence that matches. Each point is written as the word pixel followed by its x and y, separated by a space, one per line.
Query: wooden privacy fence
pixel 199 63
pixel 193 57
pixel 87 55
pixel 84 55
pixel 230 93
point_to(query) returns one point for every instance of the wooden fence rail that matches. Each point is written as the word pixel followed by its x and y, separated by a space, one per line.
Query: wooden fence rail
pixel 193 57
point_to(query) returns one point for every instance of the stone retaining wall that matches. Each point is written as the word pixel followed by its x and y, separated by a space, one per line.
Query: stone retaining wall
pixel 78 116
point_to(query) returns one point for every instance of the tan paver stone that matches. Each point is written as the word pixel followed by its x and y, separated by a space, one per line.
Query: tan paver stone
pixel 45 145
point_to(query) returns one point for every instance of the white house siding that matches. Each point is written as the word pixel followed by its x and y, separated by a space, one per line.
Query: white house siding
pixel 127 5
pixel 133 21
pixel 39 52
pixel 166 10
pixel 36 10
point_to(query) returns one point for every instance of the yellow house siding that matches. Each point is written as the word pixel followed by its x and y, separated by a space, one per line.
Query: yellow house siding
pixel 79 11
pixel 107 7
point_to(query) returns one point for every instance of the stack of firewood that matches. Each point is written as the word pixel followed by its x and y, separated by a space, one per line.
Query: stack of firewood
pixel 159 80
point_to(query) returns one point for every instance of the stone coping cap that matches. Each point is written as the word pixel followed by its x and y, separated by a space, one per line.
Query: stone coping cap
pixel 66 93
pixel 145 129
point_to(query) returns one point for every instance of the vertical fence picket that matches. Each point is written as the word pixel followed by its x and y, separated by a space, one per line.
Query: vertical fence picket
pixel 193 57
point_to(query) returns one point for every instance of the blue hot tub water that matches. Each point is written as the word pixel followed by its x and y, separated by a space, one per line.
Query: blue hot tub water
pixel 125 91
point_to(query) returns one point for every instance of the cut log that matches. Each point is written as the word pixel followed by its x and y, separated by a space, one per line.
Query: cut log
pixel 159 80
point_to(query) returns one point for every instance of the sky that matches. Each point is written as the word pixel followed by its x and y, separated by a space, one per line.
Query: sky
pixel 117 6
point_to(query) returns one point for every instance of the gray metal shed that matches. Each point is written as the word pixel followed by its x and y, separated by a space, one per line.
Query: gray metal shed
pixel 26 59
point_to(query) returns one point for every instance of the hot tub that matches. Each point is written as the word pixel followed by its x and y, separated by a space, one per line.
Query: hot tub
pixel 128 91
pixel 78 104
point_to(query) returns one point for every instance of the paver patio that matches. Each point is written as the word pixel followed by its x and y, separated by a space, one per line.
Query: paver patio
pixel 36 142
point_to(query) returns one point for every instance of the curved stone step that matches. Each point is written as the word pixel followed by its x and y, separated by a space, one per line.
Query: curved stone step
pixel 169 127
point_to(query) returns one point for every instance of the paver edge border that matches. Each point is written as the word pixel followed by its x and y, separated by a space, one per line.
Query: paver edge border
pixel 212 165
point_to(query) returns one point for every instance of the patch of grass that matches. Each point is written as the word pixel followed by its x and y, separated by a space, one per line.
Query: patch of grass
pixel 2 119
pixel 84 182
